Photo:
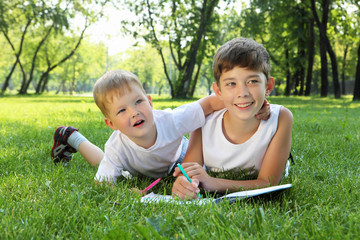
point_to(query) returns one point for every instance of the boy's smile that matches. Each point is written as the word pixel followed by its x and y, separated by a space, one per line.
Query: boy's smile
pixel 131 114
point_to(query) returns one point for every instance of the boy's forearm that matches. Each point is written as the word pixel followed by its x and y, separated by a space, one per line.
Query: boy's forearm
pixel 210 104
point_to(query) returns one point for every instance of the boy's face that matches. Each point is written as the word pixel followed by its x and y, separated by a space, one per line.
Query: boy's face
pixel 243 91
pixel 132 114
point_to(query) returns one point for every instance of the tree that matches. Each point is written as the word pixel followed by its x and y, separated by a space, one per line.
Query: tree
pixel 325 46
pixel 79 73
pixel 311 53
pixel 50 67
pixel 144 62
pixel 356 96
pixel 185 26
pixel 357 78
pixel 281 26
pixel 40 20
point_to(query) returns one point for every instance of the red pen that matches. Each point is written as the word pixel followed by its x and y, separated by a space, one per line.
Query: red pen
pixel 151 185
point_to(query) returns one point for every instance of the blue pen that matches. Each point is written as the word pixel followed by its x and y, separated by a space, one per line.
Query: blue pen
pixel 185 174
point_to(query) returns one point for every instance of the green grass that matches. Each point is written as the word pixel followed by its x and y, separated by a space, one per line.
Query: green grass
pixel 42 201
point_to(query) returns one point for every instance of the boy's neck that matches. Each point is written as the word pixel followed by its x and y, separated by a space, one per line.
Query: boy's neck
pixel 146 141
pixel 238 131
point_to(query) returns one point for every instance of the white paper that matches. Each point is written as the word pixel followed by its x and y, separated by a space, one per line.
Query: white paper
pixel 156 198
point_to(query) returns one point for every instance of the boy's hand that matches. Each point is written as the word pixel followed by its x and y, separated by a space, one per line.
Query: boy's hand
pixel 183 189
pixel 210 104
pixel 137 191
pixel 264 112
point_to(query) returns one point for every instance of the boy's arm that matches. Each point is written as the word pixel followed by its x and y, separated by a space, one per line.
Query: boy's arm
pixel 210 104
pixel 272 166
pixel 264 112
pixel 278 151
pixel 271 169
pixel 109 170
pixel 182 187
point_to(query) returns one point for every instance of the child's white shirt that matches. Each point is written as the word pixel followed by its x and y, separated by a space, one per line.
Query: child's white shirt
pixel 122 154
pixel 222 155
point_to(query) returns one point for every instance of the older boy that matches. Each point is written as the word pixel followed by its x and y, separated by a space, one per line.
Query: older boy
pixel 145 141
pixel 233 138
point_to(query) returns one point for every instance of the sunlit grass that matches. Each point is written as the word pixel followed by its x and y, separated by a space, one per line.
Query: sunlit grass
pixel 43 201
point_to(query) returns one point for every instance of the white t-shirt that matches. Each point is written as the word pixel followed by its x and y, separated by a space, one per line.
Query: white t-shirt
pixel 122 154
pixel 222 155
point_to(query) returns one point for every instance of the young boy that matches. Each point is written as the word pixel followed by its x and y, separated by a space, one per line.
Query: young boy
pixel 233 138
pixel 145 141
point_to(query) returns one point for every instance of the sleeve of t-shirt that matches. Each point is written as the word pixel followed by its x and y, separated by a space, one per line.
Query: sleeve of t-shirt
pixel 110 167
pixel 188 117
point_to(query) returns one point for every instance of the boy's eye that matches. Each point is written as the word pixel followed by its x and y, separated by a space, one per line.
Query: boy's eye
pixel 230 84
pixel 121 110
pixel 253 81
pixel 139 101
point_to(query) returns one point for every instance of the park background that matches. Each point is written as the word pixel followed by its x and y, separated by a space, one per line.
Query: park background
pixel 52 52
pixel 64 46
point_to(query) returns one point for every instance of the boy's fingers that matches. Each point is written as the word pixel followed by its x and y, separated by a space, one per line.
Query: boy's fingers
pixel 185 189
pixel 195 184
pixel 189 164
pixel 259 116
pixel 263 113
pixel 176 172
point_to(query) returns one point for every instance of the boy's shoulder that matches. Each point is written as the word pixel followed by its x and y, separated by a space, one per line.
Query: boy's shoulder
pixel 216 114
pixel 279 109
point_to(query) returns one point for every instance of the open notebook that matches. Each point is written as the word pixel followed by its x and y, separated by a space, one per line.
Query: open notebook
pixel 232 197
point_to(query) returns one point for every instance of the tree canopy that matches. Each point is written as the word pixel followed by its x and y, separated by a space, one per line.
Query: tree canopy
pixel 314 44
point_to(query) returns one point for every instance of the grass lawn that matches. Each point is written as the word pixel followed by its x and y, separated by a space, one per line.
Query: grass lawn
pixel 39 200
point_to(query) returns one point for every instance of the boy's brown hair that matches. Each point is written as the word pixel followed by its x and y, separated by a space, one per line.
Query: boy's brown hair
pixel 114 83
pixel 241 52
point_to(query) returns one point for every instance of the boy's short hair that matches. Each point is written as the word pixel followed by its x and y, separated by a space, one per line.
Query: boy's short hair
pixel 241 52
pixel 114 82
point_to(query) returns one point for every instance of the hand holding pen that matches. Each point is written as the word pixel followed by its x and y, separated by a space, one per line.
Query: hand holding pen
pixel 187 177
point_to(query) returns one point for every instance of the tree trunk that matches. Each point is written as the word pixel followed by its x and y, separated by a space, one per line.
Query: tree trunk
pixel 195 81
pixel 25 87
pixel 311 53
pixel 322 29
pixel 357 79
pixel 8 77
pixel 72 87
pixel 45 76
pixel 302 75
pixel 17 55
pixel 206 13
pixel 324 40
pixel 159 49
pixel 343 86
pixel 288 75
pixel 335 73
pixel 324 69
pixel 45 81
pixel 301 58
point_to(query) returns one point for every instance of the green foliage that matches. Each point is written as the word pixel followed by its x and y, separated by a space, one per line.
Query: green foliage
pixel 278 25
pixel 41 36
pixel 187 29
pixel 145 62
pixel 43 201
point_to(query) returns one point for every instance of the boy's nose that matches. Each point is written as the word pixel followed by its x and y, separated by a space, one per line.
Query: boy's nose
pixel 242 91
pixel 134 112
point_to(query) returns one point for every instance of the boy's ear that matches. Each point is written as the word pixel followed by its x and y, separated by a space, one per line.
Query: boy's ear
pixel 216 89
pixel 150 100
pixel 270 85
pixel 109 123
